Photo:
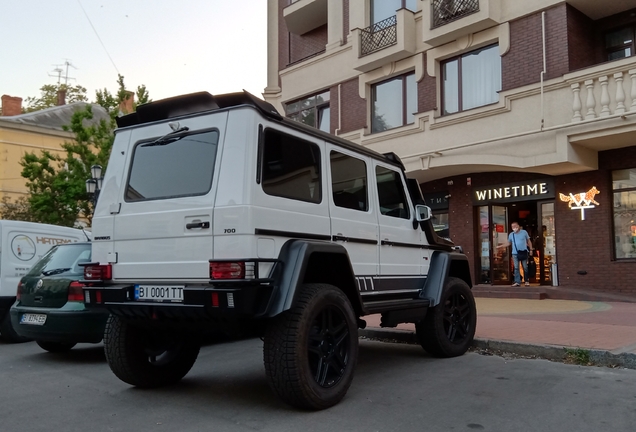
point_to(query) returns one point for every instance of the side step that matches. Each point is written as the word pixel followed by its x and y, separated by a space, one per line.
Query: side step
pixel 400 311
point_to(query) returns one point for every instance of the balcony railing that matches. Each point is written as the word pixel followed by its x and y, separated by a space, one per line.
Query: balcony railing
pixel 378 36
pixel 446 11
pixel 617 96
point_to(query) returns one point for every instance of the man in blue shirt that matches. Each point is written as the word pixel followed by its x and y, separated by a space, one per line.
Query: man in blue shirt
pixel 521 249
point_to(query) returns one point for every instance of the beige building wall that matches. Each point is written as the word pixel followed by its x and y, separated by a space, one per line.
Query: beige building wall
pixel 15 141
pixel 556 126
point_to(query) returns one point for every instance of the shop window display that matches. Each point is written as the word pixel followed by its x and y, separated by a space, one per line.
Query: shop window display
pixel 624 188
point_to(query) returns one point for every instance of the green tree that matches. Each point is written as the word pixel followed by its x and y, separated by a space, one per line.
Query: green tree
pixel 57 183
pixel 19 209
pixel 48 96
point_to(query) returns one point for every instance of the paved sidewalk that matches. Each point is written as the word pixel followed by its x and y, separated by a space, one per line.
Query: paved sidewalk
pixel 544 328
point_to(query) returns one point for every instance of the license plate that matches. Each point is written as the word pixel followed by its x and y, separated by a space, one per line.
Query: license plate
pixel 33 319
pixel 159 293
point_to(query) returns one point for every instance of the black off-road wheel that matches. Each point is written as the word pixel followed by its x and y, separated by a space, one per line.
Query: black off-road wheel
pixel 146 358
pixel 55 347
pixel 449 328
pixel 8 333
pixel 310 351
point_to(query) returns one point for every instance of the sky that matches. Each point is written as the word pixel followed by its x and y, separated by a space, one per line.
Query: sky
pixel 171 47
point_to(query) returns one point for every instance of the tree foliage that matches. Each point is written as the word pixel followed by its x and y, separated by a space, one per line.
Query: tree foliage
pixel 57 183
pixel 48 96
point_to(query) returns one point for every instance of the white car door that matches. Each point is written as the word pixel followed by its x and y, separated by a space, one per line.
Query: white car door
pixel 401 245
pixel 353 220
pixel 163 225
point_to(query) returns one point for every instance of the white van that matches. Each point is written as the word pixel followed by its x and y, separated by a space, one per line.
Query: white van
pixel 22 244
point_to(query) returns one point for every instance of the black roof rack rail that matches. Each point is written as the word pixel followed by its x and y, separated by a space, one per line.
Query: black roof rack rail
pixel 193 103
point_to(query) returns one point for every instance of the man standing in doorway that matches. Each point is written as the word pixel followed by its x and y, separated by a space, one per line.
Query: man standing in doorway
pixel 521 249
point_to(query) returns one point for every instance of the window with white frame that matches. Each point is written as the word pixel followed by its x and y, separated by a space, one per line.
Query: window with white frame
pixel 471 80
pixel 313 111
pixel 394 103
pixel 624 188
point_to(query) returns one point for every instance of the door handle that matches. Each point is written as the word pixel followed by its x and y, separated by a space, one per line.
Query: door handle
pixel 198 225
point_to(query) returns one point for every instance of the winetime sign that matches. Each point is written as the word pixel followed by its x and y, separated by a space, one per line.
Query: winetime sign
pixel 514 192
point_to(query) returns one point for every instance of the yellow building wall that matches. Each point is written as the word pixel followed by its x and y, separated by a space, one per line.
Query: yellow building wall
pixel 15 141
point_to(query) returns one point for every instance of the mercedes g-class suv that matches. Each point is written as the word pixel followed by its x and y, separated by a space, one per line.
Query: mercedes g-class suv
pixel 216 213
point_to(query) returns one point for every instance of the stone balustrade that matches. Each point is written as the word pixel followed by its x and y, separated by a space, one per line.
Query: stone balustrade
pixel 613 99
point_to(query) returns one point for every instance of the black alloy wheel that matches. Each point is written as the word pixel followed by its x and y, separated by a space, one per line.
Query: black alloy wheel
pixel 329 344
pixel 448 329
pixel 310 350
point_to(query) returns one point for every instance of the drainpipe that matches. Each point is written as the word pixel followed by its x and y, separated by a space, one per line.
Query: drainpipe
pixel 337 131
pixel 544 68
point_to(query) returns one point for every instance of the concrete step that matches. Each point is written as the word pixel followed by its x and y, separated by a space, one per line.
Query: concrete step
pixel 501 291
pixel 511 293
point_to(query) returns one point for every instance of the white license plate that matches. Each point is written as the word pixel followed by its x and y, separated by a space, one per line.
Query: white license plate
pixel 159 293
pixel 33 319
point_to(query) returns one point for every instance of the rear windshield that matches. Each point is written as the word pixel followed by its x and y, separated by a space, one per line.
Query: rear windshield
pixel 179 167
pixel 62 259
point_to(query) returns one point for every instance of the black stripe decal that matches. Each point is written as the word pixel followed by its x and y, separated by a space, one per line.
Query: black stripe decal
pixel 406 245
pixel 354 240
pixel 259 231
pixel 412 245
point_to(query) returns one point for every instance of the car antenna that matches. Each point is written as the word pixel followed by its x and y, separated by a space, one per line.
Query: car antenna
pixel 86 235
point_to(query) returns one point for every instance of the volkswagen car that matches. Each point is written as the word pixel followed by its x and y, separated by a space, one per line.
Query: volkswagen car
pixel 49 305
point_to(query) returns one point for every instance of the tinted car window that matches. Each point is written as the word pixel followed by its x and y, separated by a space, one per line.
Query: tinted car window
pixel 291 167
pixel 349 182
pixel 180 166
pixel 391 193
pixel 62 259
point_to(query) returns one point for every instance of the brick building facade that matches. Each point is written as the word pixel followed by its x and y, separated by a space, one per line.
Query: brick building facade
pixel 485 95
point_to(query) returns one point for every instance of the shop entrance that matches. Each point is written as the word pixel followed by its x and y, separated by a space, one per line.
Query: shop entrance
pixel 537 218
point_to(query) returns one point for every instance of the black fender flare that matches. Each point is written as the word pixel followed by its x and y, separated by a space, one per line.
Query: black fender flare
pixel 312 261
pixel 443 265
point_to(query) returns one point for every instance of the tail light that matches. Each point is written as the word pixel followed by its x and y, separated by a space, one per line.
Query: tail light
pixel 98 272
pixel 75 293
pixel 227 270
pixel 18 293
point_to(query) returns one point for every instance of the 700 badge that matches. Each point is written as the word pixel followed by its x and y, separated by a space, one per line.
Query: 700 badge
pixel 159 293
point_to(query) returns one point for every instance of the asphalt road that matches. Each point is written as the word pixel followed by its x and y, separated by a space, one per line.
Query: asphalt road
pixel 397 388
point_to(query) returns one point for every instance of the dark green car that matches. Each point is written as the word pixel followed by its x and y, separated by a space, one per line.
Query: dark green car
pixel 50 304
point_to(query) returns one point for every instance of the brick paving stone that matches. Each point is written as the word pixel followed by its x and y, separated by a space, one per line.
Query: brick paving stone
pixel 594 325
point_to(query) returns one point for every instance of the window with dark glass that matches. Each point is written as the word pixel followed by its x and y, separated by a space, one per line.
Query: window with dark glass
pixel 624 188
pixel 391 196
pixel 180 166
pixel 313 111
pixel 471 80
pixel 394 103
pixel 383 9
pixel 620 43
pixel 349 182
pixel 290 167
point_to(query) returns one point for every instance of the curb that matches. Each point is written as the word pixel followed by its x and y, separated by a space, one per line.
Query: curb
pixel 548 352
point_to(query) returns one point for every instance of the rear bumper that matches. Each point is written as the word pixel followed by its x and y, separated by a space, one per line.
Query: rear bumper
pixel 200 303
pixel 62 325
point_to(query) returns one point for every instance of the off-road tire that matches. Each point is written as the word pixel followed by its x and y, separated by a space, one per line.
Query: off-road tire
pixel 144 358
pixel 55 347
pixel 310 351
pixel 449 328
pixel 8 333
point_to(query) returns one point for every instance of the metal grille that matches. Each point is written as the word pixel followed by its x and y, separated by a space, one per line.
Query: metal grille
pixel 445 11
pixel 378 36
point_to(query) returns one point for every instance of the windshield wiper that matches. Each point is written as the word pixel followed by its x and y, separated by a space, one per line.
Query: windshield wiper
pixel 167 138
pixel 55 271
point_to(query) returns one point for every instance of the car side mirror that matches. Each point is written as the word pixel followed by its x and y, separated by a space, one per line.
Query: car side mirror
pixel 423 213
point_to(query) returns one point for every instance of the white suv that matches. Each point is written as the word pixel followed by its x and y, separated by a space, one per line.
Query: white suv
pixel 216 213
